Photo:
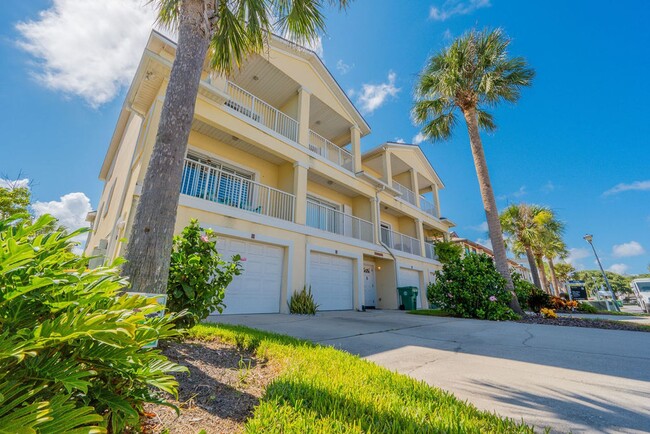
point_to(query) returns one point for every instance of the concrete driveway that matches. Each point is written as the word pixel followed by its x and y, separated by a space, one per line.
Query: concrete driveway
pixel 566 378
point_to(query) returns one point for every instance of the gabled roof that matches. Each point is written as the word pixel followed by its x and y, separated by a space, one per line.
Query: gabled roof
pixel 415 149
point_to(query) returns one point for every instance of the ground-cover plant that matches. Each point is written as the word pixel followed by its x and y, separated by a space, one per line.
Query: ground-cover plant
pixel 71 343
pixel 323 390
pixel 538 300
pixel 471 287
pixel 429 312
pixel 302 302
pixel 585 307
pixel 198 276
pixel 548 313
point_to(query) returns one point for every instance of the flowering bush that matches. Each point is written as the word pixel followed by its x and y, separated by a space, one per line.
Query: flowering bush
pixel 198 276
pixel 557 303
pixel 548 313
pixel 471 288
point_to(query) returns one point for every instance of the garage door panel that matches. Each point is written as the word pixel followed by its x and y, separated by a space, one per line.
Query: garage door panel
pixel 332 282
pixel 258 288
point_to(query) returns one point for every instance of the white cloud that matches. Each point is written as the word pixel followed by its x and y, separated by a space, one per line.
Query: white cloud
pixel 485 242
pixel 618 268
pixel 575 255
pixel 70 211
pixel 373 96
pixel 456 7
pixel 87 48
pixel 13 183
pixel 418 138
pixel 447 35
pixel 517 194
pixel 343 67
pixel 399 140
pixel 632 248
pixel 633 186
pixel 316 45
pixel 548 187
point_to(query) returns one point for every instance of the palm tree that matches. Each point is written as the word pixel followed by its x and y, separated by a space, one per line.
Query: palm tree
pixel 227 31
pixel 524 224
pixel 554 247
pixel 563 271
pixel 472 74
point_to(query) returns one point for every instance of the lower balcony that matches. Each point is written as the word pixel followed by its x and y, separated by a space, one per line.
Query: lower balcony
pixel 430 251
pixel 399 241
pixel 327 219
pixel 222 186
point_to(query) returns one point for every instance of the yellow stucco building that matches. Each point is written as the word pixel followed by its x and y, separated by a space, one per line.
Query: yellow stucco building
pixel 274 166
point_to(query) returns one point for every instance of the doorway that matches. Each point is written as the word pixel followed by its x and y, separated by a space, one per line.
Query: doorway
pixel 369 285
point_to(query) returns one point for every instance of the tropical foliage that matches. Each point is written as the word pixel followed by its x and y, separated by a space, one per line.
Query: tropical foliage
pixel 594 281
pixel 524 290
pixel 448 251
pixel 302 302
pixel 72 344
pixel 14 199
pixel 198 276
pixel 471 287
pixel 472 75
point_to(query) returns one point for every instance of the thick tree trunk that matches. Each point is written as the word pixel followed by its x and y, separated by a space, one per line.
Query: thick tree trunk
pixel 533 267
pixel 490 206
pixel 556 283
pixel 149 249
pixel 542 272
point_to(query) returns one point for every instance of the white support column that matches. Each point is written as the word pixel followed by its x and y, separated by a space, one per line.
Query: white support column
pixel 355 141
pixel 304 97
pixel 436 199
pixel 420 231
pixel 415 186
pixel 387 168
pixel 300 191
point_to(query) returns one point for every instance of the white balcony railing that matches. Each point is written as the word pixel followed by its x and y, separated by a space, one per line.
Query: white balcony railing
pixel 259 111
pixel 329 150
pixel 428 206
pixel 430 250
pixel 401 242
pixel 216 185
pixel 331 220
pixel 407 194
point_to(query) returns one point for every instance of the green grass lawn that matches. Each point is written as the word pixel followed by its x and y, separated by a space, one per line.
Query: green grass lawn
pixel 323 390
pixel 430 312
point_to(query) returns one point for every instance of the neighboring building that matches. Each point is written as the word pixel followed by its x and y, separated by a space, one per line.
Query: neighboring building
pixel 470 246
pixel 274 166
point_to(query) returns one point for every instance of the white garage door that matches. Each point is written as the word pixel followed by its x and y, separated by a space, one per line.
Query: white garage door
pixel 257 289
pixel 331 279
pixel 408 277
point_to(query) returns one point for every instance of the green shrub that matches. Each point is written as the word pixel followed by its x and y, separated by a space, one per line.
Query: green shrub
pixel 523 289
pixel 586 307
pixel 446 251
pixel 471 288
pixel 302 302
pixel 539 300
pixel 198 276
pixel 71 343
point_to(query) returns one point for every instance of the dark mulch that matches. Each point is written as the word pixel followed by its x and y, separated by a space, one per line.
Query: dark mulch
pixel 224 386
pixel 585 322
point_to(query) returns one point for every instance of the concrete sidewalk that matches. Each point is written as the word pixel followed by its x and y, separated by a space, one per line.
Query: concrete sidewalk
pixel 570 379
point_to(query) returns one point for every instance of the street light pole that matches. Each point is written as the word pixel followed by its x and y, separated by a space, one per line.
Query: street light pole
pixel 589 238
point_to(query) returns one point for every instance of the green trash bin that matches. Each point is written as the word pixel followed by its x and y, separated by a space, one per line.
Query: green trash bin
pixel 408 296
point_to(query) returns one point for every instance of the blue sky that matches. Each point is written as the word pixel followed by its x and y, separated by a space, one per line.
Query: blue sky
pixel 577 141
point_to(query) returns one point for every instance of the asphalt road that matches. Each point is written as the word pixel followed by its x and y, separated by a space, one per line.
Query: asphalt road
pixel 565 378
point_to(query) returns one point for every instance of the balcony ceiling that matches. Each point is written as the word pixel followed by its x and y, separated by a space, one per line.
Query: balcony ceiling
pixel 331 184
pixel 265 81
pixel 235 142
pixel 328 123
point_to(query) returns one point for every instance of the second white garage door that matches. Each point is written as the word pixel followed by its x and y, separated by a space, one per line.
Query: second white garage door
pixel 258 288
pixel 332 281
pixel 408 277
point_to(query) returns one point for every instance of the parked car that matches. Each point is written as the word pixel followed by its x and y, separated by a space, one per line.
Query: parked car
pixel 641 288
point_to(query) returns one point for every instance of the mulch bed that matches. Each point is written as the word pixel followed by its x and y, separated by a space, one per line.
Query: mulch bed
pixel 583 322
pixel 224 386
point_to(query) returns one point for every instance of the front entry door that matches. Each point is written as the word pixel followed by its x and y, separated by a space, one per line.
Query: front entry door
pixel 369 288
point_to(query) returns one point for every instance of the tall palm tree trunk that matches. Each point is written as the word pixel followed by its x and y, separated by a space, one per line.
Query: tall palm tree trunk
pixel 556 283
pixel 542 272
pixel 149 249
pixel 490 206
pixel 533 267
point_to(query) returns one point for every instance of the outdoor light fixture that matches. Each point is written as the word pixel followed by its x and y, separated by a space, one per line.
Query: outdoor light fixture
pixel 589 238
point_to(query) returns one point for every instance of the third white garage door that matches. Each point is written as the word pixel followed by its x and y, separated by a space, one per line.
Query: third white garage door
pixel 331 279
pixel 408 277
pixel 257 289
